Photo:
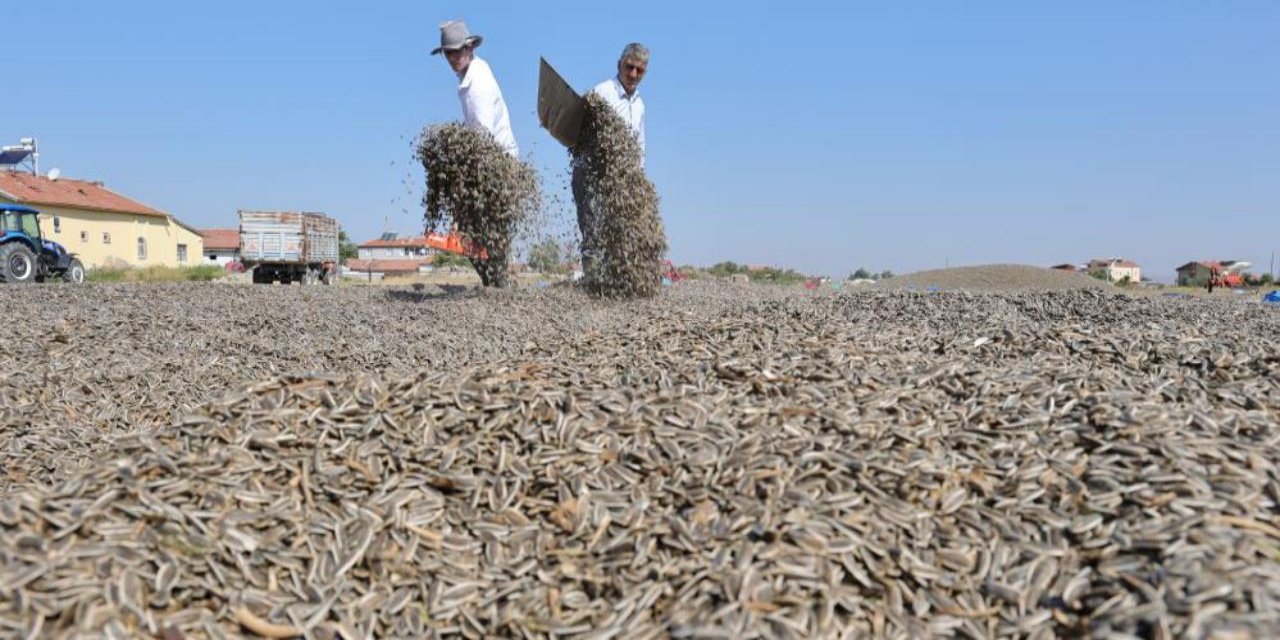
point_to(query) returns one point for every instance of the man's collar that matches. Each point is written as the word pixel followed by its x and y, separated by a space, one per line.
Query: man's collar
pixel 463 78
pixel 622 91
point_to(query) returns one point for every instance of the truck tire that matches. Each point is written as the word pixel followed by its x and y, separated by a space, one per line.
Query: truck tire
pixel 74 272
pixel 17 264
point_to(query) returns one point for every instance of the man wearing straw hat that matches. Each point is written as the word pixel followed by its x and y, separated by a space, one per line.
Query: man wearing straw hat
pixel 622 93
pixel 483 109
pixel 482 104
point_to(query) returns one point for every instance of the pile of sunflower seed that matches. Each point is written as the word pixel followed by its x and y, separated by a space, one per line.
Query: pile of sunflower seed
pixel 708 465
pixel 995 277
pixel 629 238
pixel 475 187
pixel 90 363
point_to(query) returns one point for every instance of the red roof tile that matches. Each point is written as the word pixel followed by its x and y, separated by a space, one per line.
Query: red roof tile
pixel 65 192
pixel 221 239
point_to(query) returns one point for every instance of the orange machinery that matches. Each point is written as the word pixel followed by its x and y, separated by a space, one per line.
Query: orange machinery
pixel 670 272
pixel 1229 275
pixel 1227 279
pixel 454 243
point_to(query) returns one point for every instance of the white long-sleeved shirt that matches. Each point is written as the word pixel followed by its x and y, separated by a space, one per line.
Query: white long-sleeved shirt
pixel 482 104
pixel 630 108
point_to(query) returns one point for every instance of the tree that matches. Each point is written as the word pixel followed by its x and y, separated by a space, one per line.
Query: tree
pixel 346 248
pixel 544 256
pixel 886 274
pixel 725 269
pixel 690 272
pixel 445 259
pixel 861 274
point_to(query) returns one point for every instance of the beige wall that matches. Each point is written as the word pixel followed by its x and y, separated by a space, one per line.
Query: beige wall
pixel 160 234
pixel 193 242
pixel 1119 273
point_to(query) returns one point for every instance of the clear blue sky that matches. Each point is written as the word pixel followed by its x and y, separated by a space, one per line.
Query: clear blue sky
pixel 816 135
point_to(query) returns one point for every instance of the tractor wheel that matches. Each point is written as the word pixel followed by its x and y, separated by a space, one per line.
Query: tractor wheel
pixel 74 272
pixel 17 264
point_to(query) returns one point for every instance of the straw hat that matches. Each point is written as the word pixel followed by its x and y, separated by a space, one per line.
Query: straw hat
pixel 454 35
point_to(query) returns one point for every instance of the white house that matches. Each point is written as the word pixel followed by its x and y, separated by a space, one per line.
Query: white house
pixel 221 246
pixel 391 248
pixel 1116 269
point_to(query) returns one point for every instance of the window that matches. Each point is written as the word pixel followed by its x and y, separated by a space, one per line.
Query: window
pixel 106 237
pixel 142 248
pixel 182 253
pixel 57 224
pixel 30 225
pixel 84 236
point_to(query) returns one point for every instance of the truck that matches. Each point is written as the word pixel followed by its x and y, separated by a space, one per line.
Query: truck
pixel 289 247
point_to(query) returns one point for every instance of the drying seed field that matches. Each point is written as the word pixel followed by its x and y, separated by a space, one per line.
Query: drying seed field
pixel 191 461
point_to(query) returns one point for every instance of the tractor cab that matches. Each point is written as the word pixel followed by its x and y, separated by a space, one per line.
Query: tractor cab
pixel 16 220
pixel 25 256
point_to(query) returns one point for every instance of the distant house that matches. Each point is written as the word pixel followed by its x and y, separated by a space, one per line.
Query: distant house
pixel 103 227
pixel 1115 270
pixel 390 247
pixel 1065 267
pixel 221 246
pixel 1197 273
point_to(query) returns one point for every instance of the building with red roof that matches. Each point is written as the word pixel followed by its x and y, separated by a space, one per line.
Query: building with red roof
pixel 390 247
pixel 221 245
pixel 104 228
pixel 1115 270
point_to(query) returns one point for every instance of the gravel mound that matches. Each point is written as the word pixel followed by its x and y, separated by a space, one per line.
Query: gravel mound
pixel 761 464
pixel 995 277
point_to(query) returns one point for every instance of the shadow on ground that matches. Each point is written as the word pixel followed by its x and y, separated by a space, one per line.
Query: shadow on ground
pixel 428 292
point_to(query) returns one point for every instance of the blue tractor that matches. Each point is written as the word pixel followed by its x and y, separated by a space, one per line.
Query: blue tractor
pixel 27 257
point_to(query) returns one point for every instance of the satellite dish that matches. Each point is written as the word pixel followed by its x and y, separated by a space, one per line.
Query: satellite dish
pixel 54 173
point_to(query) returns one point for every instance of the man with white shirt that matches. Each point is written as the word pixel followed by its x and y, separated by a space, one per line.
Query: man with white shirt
pixel 482 105
pixel 622 93
pixel 483 109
